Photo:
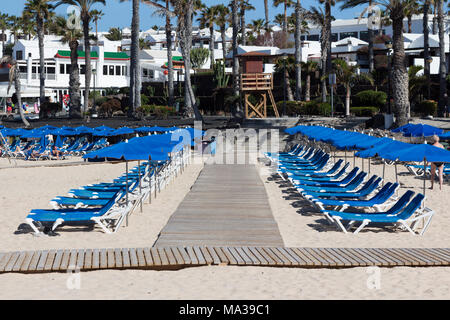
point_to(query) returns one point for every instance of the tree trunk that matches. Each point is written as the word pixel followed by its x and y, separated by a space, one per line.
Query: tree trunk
pixel 243 28
pixel 191 109
pixel 442 64
pixel 328 34
pixel 266 12
pixel 434 20
pixel 235 23
pixel 135 59
pixel 285 22
pixel 308 87
pixel 409 24
pixel 40 31
pixel 426 50
pixel 290 95
pixel 211 46
pixel 224 42
pixel 74 82
pixel 347 101
pixel 298 52
pixel 170 75
pixel 88 73
pixel 3 42
pixel 400 91
pixel 19 95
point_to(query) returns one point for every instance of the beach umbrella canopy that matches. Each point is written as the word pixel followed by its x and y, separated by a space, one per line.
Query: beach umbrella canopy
pixel 47 127
pixel 128 152
pixel 382 146
pixel 102 133
pixel 418 153
pixel 422 130
pixel 143 130
pixel 445 135
pixel 15 132
pixel 403 128
pixel 102 128
pixel 33 134
pixel 122 131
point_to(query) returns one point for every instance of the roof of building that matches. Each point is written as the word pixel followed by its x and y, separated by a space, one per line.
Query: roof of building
pixel 94 55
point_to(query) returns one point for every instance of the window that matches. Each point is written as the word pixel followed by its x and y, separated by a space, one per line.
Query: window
pixel 349 34
pixel 19 55
pixel 23 69
pixel 118 70
pixel 83 69
pixel 334 37
pixel 33 69
pixel 151 74
pixel 105 70
pixel 62 69
pixel 111 70
pixel 51 70
pixel 124 70
pixel 364 35
pixel 313 37
pixel 145 72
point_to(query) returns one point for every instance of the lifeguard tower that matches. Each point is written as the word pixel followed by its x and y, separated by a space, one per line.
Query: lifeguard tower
pixel 257 83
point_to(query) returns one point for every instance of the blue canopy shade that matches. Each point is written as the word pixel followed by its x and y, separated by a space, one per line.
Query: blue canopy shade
pixel 445 135
pixel 102 128
pixel 102 133
pixel 419 153
pixel 384 145
pixel 403 128
pixel 143 130
pixel 422 130
pixel 122 131
pixel 14 132
pixel 32 134
pixel 47 127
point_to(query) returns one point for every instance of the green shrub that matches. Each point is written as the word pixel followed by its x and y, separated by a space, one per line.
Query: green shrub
pixel 364 111
pixel 427 107
pixel 145 100
pixel 109 107
pixel 49 108
pixel 158 111
pixel 370 98
pixel 293 108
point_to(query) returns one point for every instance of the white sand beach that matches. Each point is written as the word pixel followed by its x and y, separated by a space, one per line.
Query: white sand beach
pixel 23 189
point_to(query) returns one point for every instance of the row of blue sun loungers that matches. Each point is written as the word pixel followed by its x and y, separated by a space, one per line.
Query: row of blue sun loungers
pixel 106 204
pixel 34 151
pixel 337 191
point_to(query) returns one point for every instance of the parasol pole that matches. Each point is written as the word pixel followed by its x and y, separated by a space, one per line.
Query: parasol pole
pixel 384 168
pixel 368 159
pixel 149 180
pixel 126 186
pixel 140 186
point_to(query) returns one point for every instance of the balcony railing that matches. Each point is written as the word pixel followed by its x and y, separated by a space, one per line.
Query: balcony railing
pixel 256 81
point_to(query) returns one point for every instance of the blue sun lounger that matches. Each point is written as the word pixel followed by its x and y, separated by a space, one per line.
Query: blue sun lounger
pixel 352 185
pixel 328 175
pixel 326 183
pixel 102 216
pixel 370 186
pixel 407 217
pixel 378 201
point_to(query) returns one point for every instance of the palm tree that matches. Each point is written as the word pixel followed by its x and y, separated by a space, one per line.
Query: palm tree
pixel 299 13
pixel 310 68
pixel 266 13
pixel 287 4
pixel 206 20
pixel 235 25
pixel 327 37
pixel 396 10
pixel 286 67
pixel 4 25
pixel 14 78
pixel 114 34
pixel 279 20
pixel 347 75
pixel 85 7
pixel 72 36
pixel 28 25
pixel 257 26
pixel 221 20
pixel 244 6
pixel 317 17
pixel 412 9
pixel 96 16
pixel 426 45
pixel 39 10
pixel 15 29
pixel 442 64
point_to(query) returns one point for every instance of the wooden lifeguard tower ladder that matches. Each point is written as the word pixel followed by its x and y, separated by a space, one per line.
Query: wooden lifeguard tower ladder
pixel 254 82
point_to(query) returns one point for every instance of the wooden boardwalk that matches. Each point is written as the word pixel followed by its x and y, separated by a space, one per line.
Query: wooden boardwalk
pixel 227 206
pixel 173 258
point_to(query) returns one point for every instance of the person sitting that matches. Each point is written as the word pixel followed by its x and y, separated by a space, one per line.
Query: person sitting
pixel 56 152
pixel 30 153
pixel 437 165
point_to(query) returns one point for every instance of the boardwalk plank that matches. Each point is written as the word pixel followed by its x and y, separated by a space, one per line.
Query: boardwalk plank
pixel 176 253
pixel 65 260
pixel 232 260
pixel 50 260
pixel 9 266
pixel 244 256
pixel 305 256
pixel 88 259
pixel 288 256
pixel 41 264
pixel 209 260
pixel 240 261
pixel 184 255
pixel 201 259
pixel 266 256
pixel 103 259
pixel 163 257
pixel 95 259
pixel 80 259
pixel 170 256
pixel 126 258
pixel 223 258
pixel 148 257
pixel 141 257
pixel 214 256
pixel 192 256
pixel 111 258
pixel 27 261
pixel 4 260
pixel 251 255
pixel 155 257
pixel 19 261
pixel 133 258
